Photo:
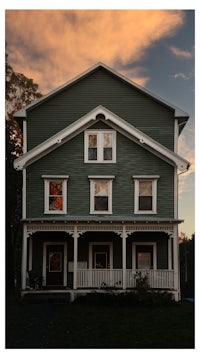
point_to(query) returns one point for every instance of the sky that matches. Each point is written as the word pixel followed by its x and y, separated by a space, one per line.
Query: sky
pixel 154 48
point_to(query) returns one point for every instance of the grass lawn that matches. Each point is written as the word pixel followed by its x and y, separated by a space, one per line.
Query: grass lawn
pixel 51 325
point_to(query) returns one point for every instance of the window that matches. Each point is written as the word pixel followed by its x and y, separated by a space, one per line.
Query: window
pixel 144 255
pixel 100 146
pixel 145 201
pixel 101 195
pixel 101 255
pixel 55 189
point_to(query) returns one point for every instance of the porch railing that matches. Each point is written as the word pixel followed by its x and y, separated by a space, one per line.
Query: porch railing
pixel 99 278
pixel 93 278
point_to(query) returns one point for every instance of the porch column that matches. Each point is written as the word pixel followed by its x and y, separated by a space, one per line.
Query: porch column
pixel 169 253
pixel 75 257
pixel 30 258
pixel 124 256
pixel 176 259
pixel 24 257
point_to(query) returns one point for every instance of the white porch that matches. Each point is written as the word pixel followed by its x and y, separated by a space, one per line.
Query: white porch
pixel 121 278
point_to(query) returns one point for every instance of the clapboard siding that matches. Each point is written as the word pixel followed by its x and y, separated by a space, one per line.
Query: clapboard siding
pixel 69 160
pixel 100 88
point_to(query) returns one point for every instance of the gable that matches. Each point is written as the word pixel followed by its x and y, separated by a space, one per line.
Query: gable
pixel 101 86
pixel 112 120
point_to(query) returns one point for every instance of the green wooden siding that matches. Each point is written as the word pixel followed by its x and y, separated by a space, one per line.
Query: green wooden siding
pixel 69 160
pixel 100 88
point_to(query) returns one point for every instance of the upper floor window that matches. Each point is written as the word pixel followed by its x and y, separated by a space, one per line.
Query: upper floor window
pixel 100 146
pixel 55 194
pixel 145 200
pixel 101 194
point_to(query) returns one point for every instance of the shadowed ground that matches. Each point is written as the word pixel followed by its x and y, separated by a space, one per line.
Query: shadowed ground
pixel 82 325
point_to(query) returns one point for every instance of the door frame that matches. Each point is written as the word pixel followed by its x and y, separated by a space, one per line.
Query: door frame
pixel 54 243
pixel 142 243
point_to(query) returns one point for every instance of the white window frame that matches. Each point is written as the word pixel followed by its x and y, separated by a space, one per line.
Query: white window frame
pixel 47 179
pixel 137 180
pixel 97 243
pixel 93 179
pixel 100 145
pixel 142 243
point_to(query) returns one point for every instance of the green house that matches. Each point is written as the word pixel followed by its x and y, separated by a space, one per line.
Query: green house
pixel 100 187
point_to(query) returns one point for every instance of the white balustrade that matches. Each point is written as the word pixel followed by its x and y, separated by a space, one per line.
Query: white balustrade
pixel 94 278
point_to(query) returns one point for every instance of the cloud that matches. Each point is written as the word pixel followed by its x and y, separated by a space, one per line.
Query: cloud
pixel 187 150
pixel 181 75
pixel 181 53
pixel 53 46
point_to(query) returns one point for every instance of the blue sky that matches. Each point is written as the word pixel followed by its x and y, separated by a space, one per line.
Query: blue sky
pixel 154 49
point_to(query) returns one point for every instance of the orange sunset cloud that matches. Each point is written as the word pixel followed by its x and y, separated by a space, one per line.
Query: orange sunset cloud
pixel 53 46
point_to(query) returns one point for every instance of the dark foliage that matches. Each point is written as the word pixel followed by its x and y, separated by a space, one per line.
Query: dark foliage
pixel 20 91
pixel 187 265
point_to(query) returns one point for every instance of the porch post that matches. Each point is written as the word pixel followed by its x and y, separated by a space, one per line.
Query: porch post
pixel 75 257
pixel 169 253
pixel 24 258
pixel 176 260
pixel 124 256
pixel 30 258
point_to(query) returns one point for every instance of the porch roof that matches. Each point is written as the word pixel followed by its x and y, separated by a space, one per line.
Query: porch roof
pixel 104 219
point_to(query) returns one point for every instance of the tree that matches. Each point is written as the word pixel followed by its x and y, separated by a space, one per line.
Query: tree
pixel 187 266
pixel 20 91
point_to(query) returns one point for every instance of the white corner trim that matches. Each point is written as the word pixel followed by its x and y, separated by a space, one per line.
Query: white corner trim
pixel 84 122
pixel 25 136
pixel 24 194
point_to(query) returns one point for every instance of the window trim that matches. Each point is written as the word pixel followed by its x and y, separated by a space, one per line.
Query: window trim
pixel 93 179
pixel 47 179
pixel 153 179
pixel 97 243
pixel 143 243
pixel 100 145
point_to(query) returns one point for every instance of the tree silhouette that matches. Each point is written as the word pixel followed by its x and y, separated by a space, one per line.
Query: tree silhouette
pixel 20 91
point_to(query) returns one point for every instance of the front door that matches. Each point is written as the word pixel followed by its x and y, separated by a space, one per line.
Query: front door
pixel 54 265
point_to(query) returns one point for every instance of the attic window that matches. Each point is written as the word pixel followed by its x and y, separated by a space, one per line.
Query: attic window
pixel 100 146
pixel 100 116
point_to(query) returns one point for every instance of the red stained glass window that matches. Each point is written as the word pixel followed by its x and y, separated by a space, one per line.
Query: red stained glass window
pixel 56 195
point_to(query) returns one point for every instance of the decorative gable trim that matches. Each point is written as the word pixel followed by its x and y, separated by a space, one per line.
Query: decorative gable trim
pixel 100 113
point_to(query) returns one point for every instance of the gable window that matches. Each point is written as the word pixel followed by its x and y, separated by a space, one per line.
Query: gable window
pixel 101 194
pixel 100 146
pixel 55 194
pixel 145 200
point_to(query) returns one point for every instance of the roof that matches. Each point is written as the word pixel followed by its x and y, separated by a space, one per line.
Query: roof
pixel 178 113
pixel 106 219
pixel 113 121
